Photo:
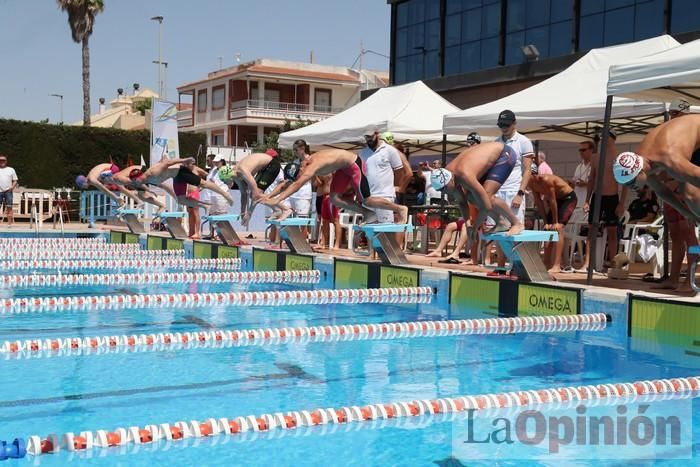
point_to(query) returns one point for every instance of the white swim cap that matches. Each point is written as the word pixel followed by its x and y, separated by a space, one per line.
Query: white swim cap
pixel 439 178
pixel 627 166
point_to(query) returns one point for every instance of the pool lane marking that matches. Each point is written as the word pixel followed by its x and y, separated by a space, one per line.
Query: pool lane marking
pixel 86 440
pixel 190 300
pixel 18 280
pixel 193 263
pixel 288 371
pixel 219 338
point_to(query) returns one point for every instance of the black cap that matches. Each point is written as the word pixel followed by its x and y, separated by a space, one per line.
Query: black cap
pixel 474 138
pixel 506 117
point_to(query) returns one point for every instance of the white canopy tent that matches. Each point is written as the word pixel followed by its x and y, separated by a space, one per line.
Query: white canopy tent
pixel 660 77
pixel 412 112
pixel 570 105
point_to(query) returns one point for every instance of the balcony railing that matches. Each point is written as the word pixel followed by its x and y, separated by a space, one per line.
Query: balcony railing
pixel 260 108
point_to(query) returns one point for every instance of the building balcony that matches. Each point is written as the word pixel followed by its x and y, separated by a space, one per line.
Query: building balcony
pixel 253 108
pixel 184 118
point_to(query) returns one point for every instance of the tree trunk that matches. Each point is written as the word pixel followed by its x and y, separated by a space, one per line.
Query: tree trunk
pixel 86 82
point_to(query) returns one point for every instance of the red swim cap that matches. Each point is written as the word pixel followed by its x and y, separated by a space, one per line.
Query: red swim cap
pixel 271 152
pixel 136 173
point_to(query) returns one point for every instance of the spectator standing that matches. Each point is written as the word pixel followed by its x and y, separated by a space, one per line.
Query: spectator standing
pixel 542 167
pixel 513 189
pixel 8 183
pixel 301 200
pixel 612 201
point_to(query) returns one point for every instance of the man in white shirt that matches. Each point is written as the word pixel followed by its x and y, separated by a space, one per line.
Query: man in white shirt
pixel 301 200
pixel 383 163
pixel 580 180
pixel 8 183
pixel 217 203
pixel 513 189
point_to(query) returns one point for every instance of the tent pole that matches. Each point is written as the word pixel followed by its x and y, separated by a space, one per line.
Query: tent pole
pixel 666 242
pixel 444 150
pixel 598 189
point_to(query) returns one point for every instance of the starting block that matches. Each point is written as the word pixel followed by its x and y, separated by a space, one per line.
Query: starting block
pixel 693 269
pixel 290 232
pixel 523 252
pixel 131 218
pixel 173 222
pixel 224 228
pixel 382 240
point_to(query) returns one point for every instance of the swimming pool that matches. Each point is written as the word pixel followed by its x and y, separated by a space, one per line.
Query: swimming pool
pixel 136 386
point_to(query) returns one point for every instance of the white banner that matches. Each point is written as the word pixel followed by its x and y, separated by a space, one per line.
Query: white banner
pixel 164 142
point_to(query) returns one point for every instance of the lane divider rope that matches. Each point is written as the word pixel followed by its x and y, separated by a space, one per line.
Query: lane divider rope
pixel 50 240
pixel 135 435
pixel 302 277
pixel 272 298
pixel 219 338
pixel 145 263
pixel 374 424
pixel 89 254
pixel 5 249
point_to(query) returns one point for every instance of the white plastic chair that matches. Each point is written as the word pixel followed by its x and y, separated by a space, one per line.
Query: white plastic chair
pixel 346 220
pixel 631 232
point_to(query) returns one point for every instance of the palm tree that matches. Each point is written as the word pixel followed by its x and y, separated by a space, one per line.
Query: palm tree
pixel 81 18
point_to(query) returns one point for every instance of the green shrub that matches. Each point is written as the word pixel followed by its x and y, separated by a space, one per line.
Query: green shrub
pixel 48 156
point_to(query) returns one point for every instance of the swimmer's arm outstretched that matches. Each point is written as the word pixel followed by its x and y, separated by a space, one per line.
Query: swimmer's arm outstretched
pixel 304 176
pixel 100 186
pixel 129 193
pixel 249 180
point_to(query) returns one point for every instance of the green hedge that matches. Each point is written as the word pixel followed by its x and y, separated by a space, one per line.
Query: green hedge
pixel 49 156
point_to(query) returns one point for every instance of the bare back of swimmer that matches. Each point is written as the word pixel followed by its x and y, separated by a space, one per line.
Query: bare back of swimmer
pixel 668 160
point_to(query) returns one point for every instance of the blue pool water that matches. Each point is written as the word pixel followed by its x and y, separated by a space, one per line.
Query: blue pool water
pixel 75 393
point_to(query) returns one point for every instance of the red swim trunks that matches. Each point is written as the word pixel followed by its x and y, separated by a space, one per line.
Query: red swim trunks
pixel 329 211
pixel 353 176
pixel 671 214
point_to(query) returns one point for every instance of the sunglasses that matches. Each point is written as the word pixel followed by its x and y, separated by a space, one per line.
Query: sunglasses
pixel 584 149
pixel 504 125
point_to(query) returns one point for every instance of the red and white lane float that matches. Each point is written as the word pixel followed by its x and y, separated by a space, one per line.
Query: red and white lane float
pixel 117 247
pixel 239 426
pixel 59 253
pixel 145 263
pixel 52 241
pixel 203 277
pixel 273 298
pixel 276 336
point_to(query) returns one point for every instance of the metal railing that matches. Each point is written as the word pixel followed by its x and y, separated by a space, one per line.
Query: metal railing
pixel 283 106
pixel 97 206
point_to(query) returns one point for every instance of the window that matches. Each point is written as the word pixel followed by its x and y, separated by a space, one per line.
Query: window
pixel 322 100
pixel 417 40
pixel 218 97
pixel 684 16
pixel 217 138
pixel 472 35
pixel 612 22
pixel 547 24
pixel 202 101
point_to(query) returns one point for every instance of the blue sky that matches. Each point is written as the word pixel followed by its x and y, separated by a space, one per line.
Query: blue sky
pixel 39 57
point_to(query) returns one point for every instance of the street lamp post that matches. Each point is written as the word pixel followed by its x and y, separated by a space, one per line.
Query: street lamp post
pixel 60 96
pixel 161 91
pixel 165 73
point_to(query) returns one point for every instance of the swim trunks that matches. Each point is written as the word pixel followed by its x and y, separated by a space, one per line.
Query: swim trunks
pixel 183 178
pixel 501 169
pixel 565 208
pixel 695 158
pixel 608 205
pixel 265 177
pixel 352 176
pixel 329 211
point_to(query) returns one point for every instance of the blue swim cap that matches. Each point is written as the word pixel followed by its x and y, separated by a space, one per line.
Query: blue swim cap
pixel 81 181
